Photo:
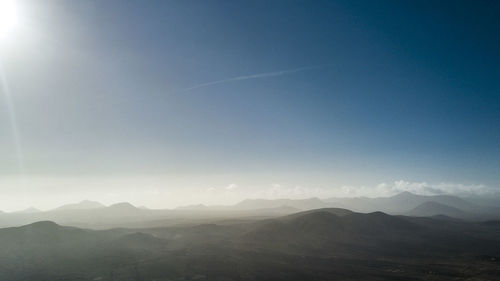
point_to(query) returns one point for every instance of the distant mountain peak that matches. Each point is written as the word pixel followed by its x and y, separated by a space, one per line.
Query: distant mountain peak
pixel 43 225
pixel 303 204
pixel 431 208
pixel 122 205
pixel 192 207
pixel 29 210
pixel 405 194
pixel 82 205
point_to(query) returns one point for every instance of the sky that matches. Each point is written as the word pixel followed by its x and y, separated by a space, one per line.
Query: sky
pixel 166 103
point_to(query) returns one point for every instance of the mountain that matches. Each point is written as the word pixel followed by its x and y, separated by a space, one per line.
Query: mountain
pixel 29 210
pixel 400 203
pixel 336 232
pixel 193 207
pixel 138 241
pixel 40 236
pixel 301 204
pixel 83 205
pixel 90 214
pixel 491 200
pixel 123 206
pixel 47 251
pixel 123 210
pixel 86 214
pixel 261 204
pixel 324 231
pixel 407 199
pixel 431 208
pixel 335 211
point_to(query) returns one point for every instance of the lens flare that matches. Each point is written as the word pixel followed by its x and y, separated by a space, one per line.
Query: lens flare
pixel 4 88
pixel 8 17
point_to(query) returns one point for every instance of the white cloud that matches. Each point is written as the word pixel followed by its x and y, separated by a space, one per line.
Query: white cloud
pixel 231 187
pixel 425 188
pixel 379 190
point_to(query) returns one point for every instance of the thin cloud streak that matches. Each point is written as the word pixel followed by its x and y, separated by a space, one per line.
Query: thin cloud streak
pixel 248 77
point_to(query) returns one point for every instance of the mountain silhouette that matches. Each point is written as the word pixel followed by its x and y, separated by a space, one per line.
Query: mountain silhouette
pixel 327 230
pixel 432 208
pixel 400 203
pixel 83 205
pixel 125 206
pixel 301 204
pixel 29 210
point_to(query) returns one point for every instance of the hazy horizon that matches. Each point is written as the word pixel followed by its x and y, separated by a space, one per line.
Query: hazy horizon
pixel 152 193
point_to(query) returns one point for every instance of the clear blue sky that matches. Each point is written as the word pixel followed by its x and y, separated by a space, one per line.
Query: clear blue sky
pixel 304 92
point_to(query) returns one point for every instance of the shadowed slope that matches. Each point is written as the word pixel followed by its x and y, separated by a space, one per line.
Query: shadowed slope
pixel 329 231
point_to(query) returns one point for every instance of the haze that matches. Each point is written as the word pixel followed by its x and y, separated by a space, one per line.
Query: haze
pixel 276 140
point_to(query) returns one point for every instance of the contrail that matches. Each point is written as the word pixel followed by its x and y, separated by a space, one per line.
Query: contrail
pixel 13 120
pixel 248 77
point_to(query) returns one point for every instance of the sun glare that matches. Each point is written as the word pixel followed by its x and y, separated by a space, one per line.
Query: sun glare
pixel 8 17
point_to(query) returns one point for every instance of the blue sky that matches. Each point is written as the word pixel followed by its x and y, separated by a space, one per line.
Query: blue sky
pixel 256 93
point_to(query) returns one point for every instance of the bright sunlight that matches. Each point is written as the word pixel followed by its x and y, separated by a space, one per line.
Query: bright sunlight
pixel 8 17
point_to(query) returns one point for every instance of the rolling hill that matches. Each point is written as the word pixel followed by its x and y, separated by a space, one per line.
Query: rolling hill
pixel 312 245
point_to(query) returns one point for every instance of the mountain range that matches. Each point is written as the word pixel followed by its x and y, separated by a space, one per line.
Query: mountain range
pixel 91 214
pixel 404 203
pixel 83 205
